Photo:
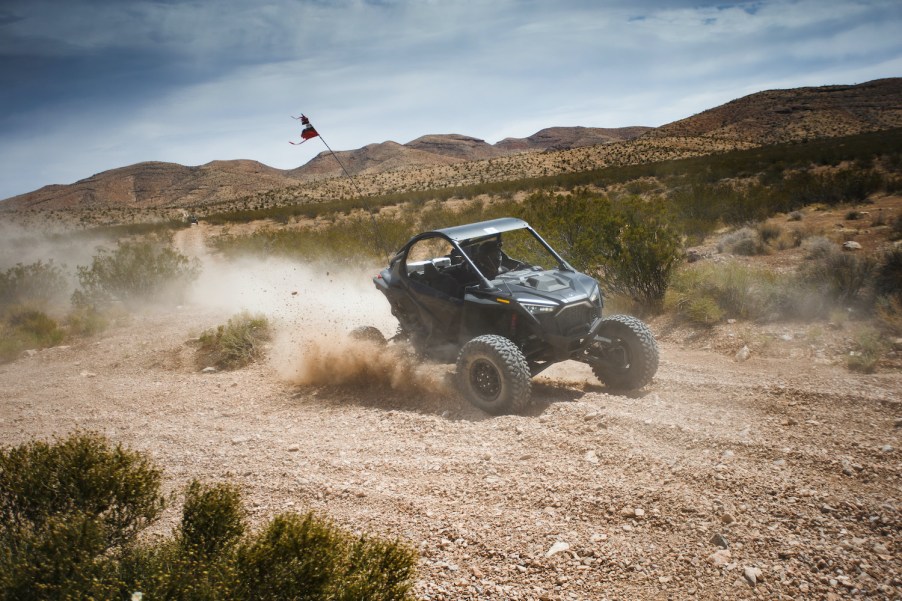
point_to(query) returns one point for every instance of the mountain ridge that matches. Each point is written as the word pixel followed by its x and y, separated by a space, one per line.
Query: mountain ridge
pixel 439 160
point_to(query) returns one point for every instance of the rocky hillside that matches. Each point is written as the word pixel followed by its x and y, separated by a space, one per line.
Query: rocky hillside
pixel 435 161
pixel 158 184
pixel 777 116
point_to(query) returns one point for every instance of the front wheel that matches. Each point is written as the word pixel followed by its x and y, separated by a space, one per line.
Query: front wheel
pixel 493 374
pixel 625 356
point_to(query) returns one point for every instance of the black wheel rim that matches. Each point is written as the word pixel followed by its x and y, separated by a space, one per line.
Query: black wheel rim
pixel 618 355
pixel 485 380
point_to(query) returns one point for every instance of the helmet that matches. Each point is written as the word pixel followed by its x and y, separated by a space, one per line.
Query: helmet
pixel 488 258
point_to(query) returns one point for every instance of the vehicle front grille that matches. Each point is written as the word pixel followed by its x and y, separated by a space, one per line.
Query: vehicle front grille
pixel 575 320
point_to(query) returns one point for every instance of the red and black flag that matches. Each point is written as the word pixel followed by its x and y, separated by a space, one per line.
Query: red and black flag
pixel 306 133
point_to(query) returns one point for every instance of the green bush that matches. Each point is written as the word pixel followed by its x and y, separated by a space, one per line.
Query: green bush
pixel 135 273
pixel 82 473
pixel 23 328
pixel 309 558
pixel 630 244
pixel 700 310
pixel 818 247
pixel 841 276
pixel 65 509
pixel 237 343
pixel 38 284
pixel 294 557
pixel 61 559
pixel 869 347
pixel 768 232
pixel 745 241
pixel 704 293
pixel 199 563
pixel 212 518
pixel 86 321
pixel 70 513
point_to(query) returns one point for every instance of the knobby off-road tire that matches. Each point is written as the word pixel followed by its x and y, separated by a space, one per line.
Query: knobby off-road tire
pixel 368 334
pixel 493 374
pixel 631 360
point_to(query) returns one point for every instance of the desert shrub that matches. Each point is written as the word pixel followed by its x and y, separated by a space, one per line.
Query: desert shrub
pixel 135 272
pixel 376 569
pixel 854 215
pixel 880 219
pixel 70 513
pixel 703 294
pixel 795 216
pixel 294 557
pixel 86 320
pixel 768 232
pixel 60 560
pixel 888 311
pixel 869 347
pixel 888 276
pixel 818 247
pixel 307 557
pixel 630 243
pixel 212 518
pixel 791 238
pixel 37 284
pixel 646 253
pixel 64 507
pixel 702 311
pixel 841 276
pixel 745 241
pixel 23 328
pixel 896 228
pixel 199 562
pixel 82 473
pixel 235 344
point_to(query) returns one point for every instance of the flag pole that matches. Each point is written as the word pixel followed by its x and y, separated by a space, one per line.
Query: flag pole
pixel 307 125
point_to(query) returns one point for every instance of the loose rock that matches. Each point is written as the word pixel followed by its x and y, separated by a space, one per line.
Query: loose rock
pixel 557 547
pixel 719 540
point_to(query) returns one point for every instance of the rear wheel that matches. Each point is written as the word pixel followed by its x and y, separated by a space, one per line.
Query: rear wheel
pixel 493 374
pixel 627 357
pixel 368 334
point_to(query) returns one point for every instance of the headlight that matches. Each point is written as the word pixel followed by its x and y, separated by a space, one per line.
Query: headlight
pixel 537 309
pixel 593 298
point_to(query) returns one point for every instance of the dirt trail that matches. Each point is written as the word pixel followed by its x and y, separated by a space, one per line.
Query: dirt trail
pixel 793 464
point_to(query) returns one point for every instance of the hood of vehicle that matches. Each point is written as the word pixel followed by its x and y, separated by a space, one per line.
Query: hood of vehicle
pixel 553 285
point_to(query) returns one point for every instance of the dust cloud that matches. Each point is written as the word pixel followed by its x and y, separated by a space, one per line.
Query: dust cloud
pixel 313 308
pixel 27 245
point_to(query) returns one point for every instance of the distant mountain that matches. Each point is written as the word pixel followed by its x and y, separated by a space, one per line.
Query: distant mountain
pixel 154 184
pixel 446 149
pixel 777 116
pixel 565 138
pixel 759 119
pixel 158 184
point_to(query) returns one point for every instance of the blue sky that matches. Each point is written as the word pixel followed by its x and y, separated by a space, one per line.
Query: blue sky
pixel 91 85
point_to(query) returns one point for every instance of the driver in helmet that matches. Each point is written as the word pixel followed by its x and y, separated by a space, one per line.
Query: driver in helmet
pixel 488 258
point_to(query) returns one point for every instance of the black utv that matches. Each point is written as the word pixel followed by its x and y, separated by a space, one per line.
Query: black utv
pixel 497 299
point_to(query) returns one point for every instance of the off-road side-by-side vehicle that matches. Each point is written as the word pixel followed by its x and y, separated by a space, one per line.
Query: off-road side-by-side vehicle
pixel 497 299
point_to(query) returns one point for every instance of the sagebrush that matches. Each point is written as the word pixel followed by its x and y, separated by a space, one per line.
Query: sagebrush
pixel 234 344
pixel 71 512
pixel 135 273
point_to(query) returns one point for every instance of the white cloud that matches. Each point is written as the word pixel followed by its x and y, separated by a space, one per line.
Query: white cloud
pixel 218 79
